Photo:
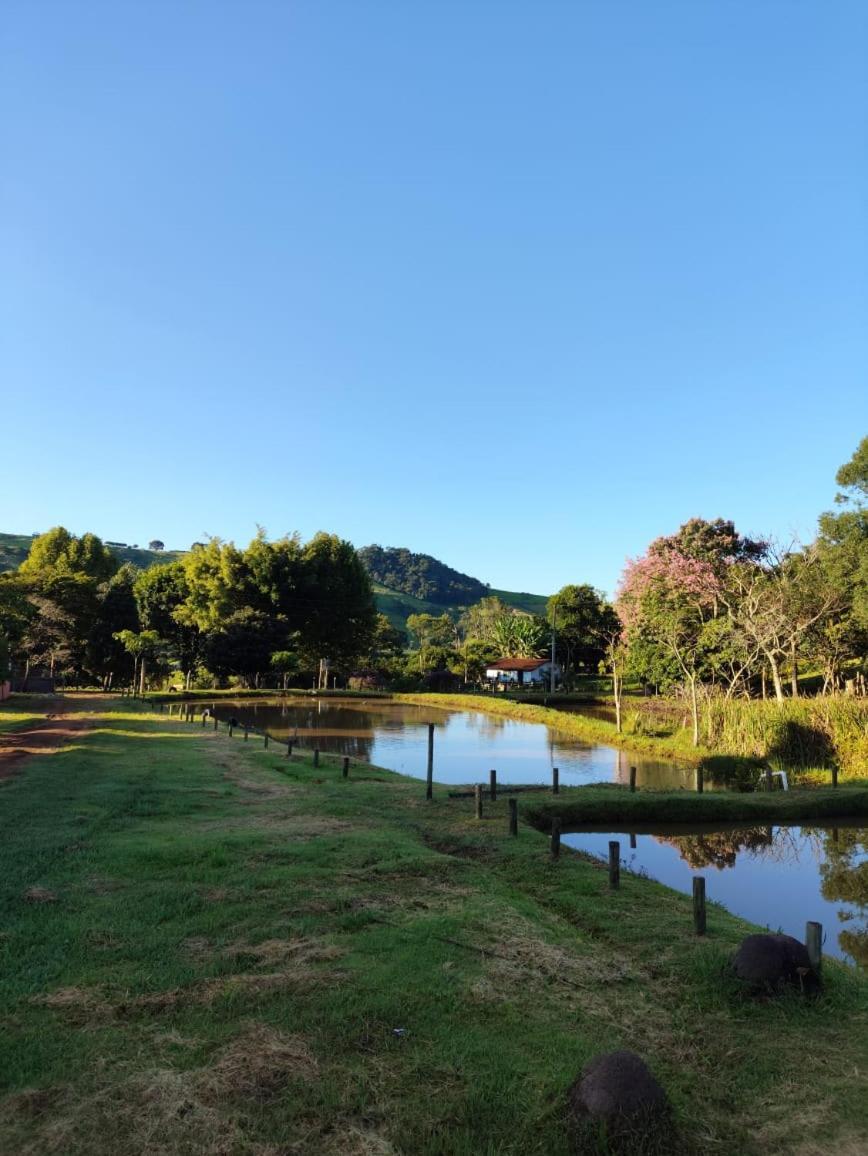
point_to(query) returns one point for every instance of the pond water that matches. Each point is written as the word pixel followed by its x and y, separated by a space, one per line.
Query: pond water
pixel 778 877
pixel 467 744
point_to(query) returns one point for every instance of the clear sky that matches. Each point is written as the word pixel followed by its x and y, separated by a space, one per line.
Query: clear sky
pixel 520 285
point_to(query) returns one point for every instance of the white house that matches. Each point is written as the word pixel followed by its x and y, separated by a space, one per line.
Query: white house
pixel 522 671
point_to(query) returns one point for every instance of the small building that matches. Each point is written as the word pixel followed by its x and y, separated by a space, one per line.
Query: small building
pixel 522 672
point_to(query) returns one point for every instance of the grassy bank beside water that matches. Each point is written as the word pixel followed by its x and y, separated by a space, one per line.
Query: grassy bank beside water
pixel 797 734
pixel 207 948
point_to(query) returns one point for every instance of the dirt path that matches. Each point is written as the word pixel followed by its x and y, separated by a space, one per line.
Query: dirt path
pixel 62 723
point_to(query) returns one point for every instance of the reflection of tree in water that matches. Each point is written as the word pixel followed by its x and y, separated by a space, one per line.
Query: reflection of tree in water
pixel 844 878
pixel 719 848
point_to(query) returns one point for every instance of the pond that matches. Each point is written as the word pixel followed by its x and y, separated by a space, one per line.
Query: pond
pixel 778 877
pixel 467 743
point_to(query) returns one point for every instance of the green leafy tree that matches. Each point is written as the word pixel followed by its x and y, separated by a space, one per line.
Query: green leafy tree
pixel 434 635
pixel 143 647
pixel 58 553
pixel 161 594
pixel 583 622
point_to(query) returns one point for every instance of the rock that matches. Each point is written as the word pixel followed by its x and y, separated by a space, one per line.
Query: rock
pixel 769 962
pixel 618 1097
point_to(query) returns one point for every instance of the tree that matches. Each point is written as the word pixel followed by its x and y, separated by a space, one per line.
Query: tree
pixel 339 614
pixel 161 593
pixel 668 598
pixel 433 633
pixel 59 553
pixel 142 647
pixel 583 621
pixel 285 662
pixel 477 622
pixel 156 545
pixel 519 635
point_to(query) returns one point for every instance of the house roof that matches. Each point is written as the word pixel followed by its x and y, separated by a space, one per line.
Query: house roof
pixel 516 664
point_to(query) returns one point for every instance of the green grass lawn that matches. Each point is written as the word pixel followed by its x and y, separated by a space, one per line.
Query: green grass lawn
pixel 207 948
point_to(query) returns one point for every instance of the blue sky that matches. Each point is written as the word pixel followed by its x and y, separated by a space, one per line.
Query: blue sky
pixel 520 285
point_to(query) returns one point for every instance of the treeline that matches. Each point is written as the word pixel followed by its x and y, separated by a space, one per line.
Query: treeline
pixel 716 614
pixel 283 608
pixel 421 575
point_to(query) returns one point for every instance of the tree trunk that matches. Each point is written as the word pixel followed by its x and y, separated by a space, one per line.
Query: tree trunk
pixel 142 676
pixel 794 673
pixel 694 706
pixel 776 675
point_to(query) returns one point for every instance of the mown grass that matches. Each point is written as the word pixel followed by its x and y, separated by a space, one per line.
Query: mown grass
pixel 207 948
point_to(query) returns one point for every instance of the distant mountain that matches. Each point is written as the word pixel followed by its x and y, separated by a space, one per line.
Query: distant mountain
pixel 404 583
pixel 421 576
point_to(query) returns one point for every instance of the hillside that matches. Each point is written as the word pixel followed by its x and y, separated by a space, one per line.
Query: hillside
pixel 447 589
pixel 14 548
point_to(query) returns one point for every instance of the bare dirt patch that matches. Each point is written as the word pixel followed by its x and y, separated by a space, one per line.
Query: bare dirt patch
pixel 49 736
pixel 39 895
pixel 256 1065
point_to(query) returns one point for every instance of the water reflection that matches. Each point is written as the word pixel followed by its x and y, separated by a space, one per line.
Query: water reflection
pixel 467 743
pixel 779 877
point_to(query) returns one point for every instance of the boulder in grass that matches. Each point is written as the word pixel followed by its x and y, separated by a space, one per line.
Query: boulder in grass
pixel 617 1102
pixel 768 963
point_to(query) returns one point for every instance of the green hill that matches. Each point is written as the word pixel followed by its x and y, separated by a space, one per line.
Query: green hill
pixel 14 548
pixel 445 583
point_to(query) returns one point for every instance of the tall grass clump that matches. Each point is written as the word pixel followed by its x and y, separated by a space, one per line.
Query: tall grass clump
pixel 799 733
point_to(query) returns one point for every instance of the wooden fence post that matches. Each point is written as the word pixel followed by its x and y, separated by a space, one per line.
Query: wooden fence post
pixel 834 774
pixel 699 780
pixel 246 731
pixel 215 722
pixel 632 779
pixel 556 837
pixel 492 786
pixel 265 740
pixel 556 786
pixel 814 944
pixel 230 730
pixel 316 756
pixel 513 816
pixel 346 767
pixel 769 779
pixel 614 864
pixel 478 795
pixel 699 904
pixel 633 842
pixel 289 750
pixel 429 778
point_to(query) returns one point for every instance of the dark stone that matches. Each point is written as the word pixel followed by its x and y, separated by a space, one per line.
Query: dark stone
pixel 769 962
pixel 617 1096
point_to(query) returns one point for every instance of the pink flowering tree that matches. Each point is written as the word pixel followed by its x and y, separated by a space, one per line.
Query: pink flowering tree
pixel 668 599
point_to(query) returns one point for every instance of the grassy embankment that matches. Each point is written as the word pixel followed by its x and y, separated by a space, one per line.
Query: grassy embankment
pixel 804 735
pixel 208 948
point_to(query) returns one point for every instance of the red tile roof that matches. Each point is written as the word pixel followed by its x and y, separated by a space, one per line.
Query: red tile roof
pixel 516 664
